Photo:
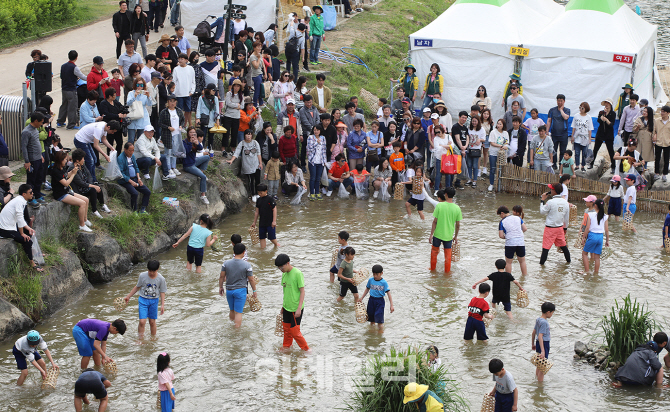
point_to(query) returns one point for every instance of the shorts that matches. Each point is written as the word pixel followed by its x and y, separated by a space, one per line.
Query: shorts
pixel 507 305
pixel 614 206
pixel 268 232
pixel 546 348
pixel 487 143
pixel 594 243
pixel 148 308
pixel 510 251
pixel 236 299
pixel 81 388
pixel 376 310
pixel 553 236
pixel 184 103
pixel 83 341
pixel 167 404
pixel 416 202
pixel 504 401
pixel 21 361
pixel 632 208
pixel 473 325
pixel 445 243
pixel 60 199
pixel 195 254
pixel 334 269
pixel 345 286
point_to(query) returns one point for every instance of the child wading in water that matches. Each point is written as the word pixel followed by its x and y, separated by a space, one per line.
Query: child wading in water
pixel 478 308
pixel 630 197
pixel 415 200
pixel 615 196
pixel 200 236
pixel 505 390
pixel 152 287
pixel 501 280
pixel 25 350
pixel 346 274
pixel 541 333
pixel 512 228
pixel 165 378
pixel 266 210
pixel 342 239
pixel 377 287
pixel 235 239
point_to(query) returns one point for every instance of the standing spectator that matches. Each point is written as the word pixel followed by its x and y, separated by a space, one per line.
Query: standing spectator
pixel 98 79
pixel 256 68
pixel 171 121
pixel 516 97
pixel 397 107
pixel 4 149
pixel 88 112
pixel 308 36
pixel 582 126
pixel 88 137
pixel 193 60
pixel 318 35
pixel 184 44
pixel 557 125
pixel 294 54
pixel 352 116
pixel 139 28
pixel 33 161
pixel 541 151
pixel 208 113
pixel 184 79
pixel 148 154
pixel 624 99
pixel 320 93
pixel 290 117
pixel 231 117
pixel 517 142
pixel 249 153
pixel 605 132
pixel 36 55
pixel 434 84
pixel 328 132
pixel 356 143
pixel 128 58
pixel 409 82
pixel 481 98
pixel 166 53
pixel 628 116
pixel 643 131
pixel 14 226
pixel 152 88
pixel 69 73
pixel 139 93
pixel 110 109
pixel 148 68
pixel 130 178
pixel 154 15
pixel 211 67
pixel 513 111
pixel 309 119
pixel 477 137
pixel 661 139
pixel 316 156
pixel 121 26
pixel 514 79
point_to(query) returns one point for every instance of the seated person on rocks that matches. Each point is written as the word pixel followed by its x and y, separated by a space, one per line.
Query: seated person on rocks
pixel 339 173
pixel 61 179
pixel 293 179
pixel 130 179
pixel 642 366
pixel 196 165
pixel 148 154
pixel 13 224
pixel 83 184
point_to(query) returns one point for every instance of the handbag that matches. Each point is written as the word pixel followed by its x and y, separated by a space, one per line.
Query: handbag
pixel 475 153
pixel 451 163
pixel 136 110
pixel 373 157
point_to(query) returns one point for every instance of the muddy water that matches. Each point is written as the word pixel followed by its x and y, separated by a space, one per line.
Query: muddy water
pixel 220 368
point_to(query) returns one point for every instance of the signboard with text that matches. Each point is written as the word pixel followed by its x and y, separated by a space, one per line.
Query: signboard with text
pixel 622 58
pixel 518 51
pixel 423 42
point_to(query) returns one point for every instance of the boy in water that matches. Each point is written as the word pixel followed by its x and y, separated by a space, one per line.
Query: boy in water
pixel 505 390
pixel 235 239
pixel 152 286
pixel 478 308
pixel 501 286
pixel 293 284
pixel 343 240
pixel 91 381
pixel 25 350
pixel 266 210
pixel 377 288
pixel 541 335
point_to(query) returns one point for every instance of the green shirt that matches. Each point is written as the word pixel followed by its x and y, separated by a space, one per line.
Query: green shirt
pixel 447 214
pixel 292 281
pixel 316 25
pixel 347 269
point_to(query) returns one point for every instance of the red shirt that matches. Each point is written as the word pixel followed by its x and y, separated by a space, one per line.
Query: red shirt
pixel 337 171
pixel 287 147
pixel 93 81
pixel 477 308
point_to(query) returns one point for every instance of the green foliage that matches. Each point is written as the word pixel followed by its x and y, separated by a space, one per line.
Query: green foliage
pixel 387 395
pixel 127 227
pixel 627 326
pixel 51 247
pixel 23 286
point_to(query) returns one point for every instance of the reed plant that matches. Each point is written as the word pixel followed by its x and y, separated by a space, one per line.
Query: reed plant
pixel 627 325
pixel 380 385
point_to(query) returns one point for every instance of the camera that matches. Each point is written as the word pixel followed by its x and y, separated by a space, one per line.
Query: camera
pixel 124 109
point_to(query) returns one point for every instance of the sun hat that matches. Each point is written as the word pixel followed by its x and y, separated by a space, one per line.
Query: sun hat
pixel 33 337
pixel 414 391
pixel 627 86
pixel 608 100
pixel 164 37
pixel 590 198
pixel 410 66
pixel 616 178
pixel 236 82
pixel 630 177
pixel 5 172
pixel 515 76
pixel 340 123
pixel 434 116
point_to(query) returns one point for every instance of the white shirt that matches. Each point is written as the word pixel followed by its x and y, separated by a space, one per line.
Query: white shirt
pixel 12 214
pixel 146 73
pixel 631 195
pixel 410 174
pixel 595 227
pixel 615 192
pixel 582 126
pixel 174 121
pixel 446 122
pixel 29 352
pixel 90 132
pixel 565 192
pixel 511 226
pixel 439 142
pixel 184 80
pixel 476 136
pixel 322 101
pixel 557 210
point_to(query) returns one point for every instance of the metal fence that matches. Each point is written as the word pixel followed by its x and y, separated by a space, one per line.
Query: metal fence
pixel 12 111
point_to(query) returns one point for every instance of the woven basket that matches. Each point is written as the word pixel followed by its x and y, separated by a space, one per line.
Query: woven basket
pixel 487 321
pixel 279 326
pixel 399 191
pixel 254 303
pixel 579 242
pixel 417 185
pixel 574 219
pixel 542 364
pixel 110 367
pixel 370 100
pixel 666 242
pixel 158 400
pixel 489 403
pixel 253 233
pixel 628 221
pixel 333 260
pixel 217 233
pixel 502 157
pixel 52 379
pixel 120 304
pixel 361 276
pixel 456 252
pixel 522 300
pixel 361 313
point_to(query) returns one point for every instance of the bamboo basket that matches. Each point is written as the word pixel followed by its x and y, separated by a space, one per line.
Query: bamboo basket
pixel 120 304
pixel 417 185
pixel 255 278
pixel 279 326
pixel 253 233
pixel 361 313
pixel 370 100
pixel 456 251
pixel 333 260
pixel 399 191
pixel 52 379
pixel 666 242
pixel 217 233
pixel 579 242
pixel 628 221
pixel 542 364
pixel 501 163
pixel 361 276
pixel 158 400
pixel 254 303
pixel 110 367
pixel 522 299
pixel 489 403
pixel 574 219
pixel 487 321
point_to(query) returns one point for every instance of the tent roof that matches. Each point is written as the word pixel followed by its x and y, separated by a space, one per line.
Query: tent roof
pixel 605 6
pixel 491 2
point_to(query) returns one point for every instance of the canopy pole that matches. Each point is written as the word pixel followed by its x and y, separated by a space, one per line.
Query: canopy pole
pixel 518 63
pixel 632 71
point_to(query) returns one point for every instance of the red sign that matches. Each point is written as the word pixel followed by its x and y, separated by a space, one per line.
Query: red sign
pixel 622 58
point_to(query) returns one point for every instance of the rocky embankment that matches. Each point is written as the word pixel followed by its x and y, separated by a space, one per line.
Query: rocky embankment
pixel 98 257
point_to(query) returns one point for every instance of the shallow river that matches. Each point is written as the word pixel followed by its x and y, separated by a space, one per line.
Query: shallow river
pixel 220 368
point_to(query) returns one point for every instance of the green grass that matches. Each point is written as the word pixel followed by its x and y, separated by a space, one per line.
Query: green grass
pixel 23 286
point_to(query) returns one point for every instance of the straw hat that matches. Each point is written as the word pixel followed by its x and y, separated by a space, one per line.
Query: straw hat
pixel 236 82
pixel 5 172
pixel 414 391
pixel 164 37
pixel 440 103
pixel 608 100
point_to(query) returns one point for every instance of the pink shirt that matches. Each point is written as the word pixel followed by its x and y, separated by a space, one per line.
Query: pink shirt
pixel 164 377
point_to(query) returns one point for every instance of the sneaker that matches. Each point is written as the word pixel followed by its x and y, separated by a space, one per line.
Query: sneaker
pixel 146 176
pixel 97 214
pixel 171 175
pixel 143 211
pixel 275 197
pixel 474 185
pixel 88 223
pixel 435 194
pixel 323 190
pixel 318 196
pixel 176 172
pixel 664 178
pixel 106 209
pixel 468 183
pixel 204 199
pixel 657 176
pixel 34 203
pixel 85 228
pixel 311 197
pixel 166 177
pixel 60 124
pixel 100 167
pixel 41 200
pixel 590 167
pixel 314 63
pixel 161 145
pixel 319 63
pixel 554 167
pixel 328 193
pixel 47 186
pixel 484 171
pixel 306 69
pixel 490 189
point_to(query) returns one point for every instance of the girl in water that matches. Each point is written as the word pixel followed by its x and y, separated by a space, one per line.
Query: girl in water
pixel 165 378
pixel 200 235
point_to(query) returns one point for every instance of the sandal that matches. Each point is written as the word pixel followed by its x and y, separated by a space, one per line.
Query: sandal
pixel 38 268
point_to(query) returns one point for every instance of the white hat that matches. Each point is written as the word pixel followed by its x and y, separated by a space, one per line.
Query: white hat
pixel 290 101
pixel 426 109
pixel 434 116
pixel 148 128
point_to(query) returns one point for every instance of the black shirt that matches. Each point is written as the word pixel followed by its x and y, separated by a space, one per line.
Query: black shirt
pixel 501 284
pixel 56 176
pixel 330 134
pixel 461 132
pixel 91 382
pixel 265 206
pixel 606 131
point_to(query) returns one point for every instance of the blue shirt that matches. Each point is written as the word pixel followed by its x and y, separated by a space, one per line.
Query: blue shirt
pixel 378 138
pixel 424 125
pixel 378 288
pixel 199 236
pixel 559 125
pixel 87 114
pixel 542 326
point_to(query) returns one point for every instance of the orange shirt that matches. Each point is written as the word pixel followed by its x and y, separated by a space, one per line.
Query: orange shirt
pixel 360 177
pixel 397 161
pixel 336 171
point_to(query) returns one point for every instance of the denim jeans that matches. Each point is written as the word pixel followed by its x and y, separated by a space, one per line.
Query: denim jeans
pixel 89 157
pixel 426 101
pixel 144 163
pixel 333 184
pixel 473 167
pixel 438 174
pixel 314 48
pixel 137 37
pixel 580 154
pixel 219 25
pixel 35 177
pixel 541 165
pixel 258 80
pixel 493 168
pixel 174 13
pixel 197 170
pixel 273 185
pixel 134 193
pixel 134 134
pixel 315 171
pixel 171 161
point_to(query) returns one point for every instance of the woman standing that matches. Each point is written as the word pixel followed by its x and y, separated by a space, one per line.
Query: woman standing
pixel 487 125
pixel 257 70
pixel 140 94
pixel 374 140
pixel 139 29
pixel 474 152
pixel 582 126
pixel 249 153
pixel 381 174
pixel 596 226
pixel 442 142
pixel 208 113
pixel 498 139
pixel 316 158
pixel 299 91
pixel 340 140
pixel 356 144
pixel 171 121
pixel 415 138
pixel 267 142
pixel 282 90
pixel 231 117
pixel 434 84
pixel 481 98
pixel 605 132
pixel 445 116
pixel 643 129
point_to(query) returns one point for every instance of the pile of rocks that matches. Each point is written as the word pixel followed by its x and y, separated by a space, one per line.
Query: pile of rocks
pixel 595 355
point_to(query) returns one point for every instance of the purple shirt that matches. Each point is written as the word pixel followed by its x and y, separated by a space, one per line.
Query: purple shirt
pixel 95 329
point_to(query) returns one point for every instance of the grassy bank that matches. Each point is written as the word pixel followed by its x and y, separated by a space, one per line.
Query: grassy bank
pixel 22 21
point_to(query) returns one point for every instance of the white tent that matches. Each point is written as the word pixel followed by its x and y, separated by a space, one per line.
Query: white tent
pixel 260 14
pixel 471 42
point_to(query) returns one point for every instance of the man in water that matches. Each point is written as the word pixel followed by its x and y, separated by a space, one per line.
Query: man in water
pixel 557 211
pixel 446 223
pixel 642 366
pixel 91 381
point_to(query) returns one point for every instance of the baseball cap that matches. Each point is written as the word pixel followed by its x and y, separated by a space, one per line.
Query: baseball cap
pixel 426 109
pixel 98 60
pixel 406 99
pixel 630 177
pixel 290 101
pixel 33 337
pixel 156 75
pixel 616 178
pixel 148 128
pixel 590 198
pixel 434 116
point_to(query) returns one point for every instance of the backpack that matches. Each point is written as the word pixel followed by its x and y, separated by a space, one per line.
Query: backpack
pixel 202 30
pixel 291 47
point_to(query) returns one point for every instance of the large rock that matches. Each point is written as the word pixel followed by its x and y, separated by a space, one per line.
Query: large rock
pixel 581 348
pixel 599 167
pixel 12 320
pixel 104 257
pixel 8 248
pixel 65 284
pixel 50 219
pixel 162 242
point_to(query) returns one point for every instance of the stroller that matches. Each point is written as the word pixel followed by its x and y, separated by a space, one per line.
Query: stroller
pixel 205 35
